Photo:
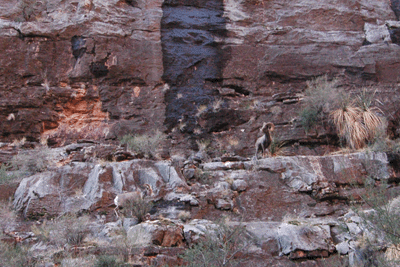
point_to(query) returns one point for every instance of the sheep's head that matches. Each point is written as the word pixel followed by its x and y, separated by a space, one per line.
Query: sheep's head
pixel 267 127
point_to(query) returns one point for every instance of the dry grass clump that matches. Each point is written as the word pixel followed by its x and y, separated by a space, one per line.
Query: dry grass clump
pixel 30 161
pixel 5 176
pixel 277 147
pixel 357 122
pixel 203 144
pixel 138 208
pixel 322 96
pixel 220 246
pixel 146 143
pixel 68 229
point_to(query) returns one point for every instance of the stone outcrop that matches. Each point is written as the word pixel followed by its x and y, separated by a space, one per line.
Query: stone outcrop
pixel 294 207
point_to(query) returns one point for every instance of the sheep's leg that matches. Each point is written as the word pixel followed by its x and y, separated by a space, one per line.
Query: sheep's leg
pixel 116 212
pixel 256 151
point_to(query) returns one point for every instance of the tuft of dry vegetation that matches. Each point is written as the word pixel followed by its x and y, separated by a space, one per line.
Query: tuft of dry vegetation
pixel 138 208
pixel 5 176
pixel 322 95
pixel 357 121
pixel 30 161
pixel 146 143
pixel 219 247
pixel 68 229
pixel 277 147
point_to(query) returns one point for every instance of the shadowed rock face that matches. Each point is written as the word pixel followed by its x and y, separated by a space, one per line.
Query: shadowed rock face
pixel 192 56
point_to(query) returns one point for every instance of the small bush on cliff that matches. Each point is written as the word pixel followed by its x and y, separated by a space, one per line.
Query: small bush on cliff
pixel 67 229
pixel 219 247
pixel 5 176
pixel 380 224
pixel 30 161
pixel 322 95
pixel 277 146
pixel 357 122
pixel 138 208
pixel 146 143
pixel 16 256
pixel 107 261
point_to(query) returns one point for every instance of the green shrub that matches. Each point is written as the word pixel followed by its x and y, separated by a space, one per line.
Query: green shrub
pixel 322 96
pixel 309 117
pixel 357 122
pixel 146 144
pixel 382 220
pixel 277 146
pixel 5 176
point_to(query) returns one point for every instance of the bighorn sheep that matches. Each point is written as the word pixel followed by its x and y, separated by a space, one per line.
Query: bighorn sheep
pixel 265 141
pixel 121 199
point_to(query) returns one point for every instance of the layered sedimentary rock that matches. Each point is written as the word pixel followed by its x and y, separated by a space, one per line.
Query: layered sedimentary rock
pixel 194 69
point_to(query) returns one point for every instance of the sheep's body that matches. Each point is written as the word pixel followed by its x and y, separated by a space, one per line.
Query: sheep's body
pixel 265 141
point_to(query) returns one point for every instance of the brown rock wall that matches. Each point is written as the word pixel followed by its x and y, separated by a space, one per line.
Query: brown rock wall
pixel 101 69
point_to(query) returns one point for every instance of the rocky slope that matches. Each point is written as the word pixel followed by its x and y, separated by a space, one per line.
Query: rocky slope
pixel 296 209
pixel 207 73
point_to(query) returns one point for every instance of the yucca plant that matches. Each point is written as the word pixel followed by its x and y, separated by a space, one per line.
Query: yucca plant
pixel 276 147
pixel 370 118
pixel 357 122
pixel 348 122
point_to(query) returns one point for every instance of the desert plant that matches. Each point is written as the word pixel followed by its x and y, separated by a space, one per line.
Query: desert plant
pixel 373 123
pixel 138 208
pixel 309 117
pixel 126 243
pixel 219 247
pixel 216 105
pixel 357 122
pixel 348 122
pixel 32 161
pixel 74 261
pixel 146 143
pixel 322 95
pixel 68 229
pixel 5 176
pixel 202 176
pixel 107 261
pixel 384 215
pixel 276 146
pixel 15 256
pixel 184 216
pixel 203 144
pixel 381 219
pixel 201 109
